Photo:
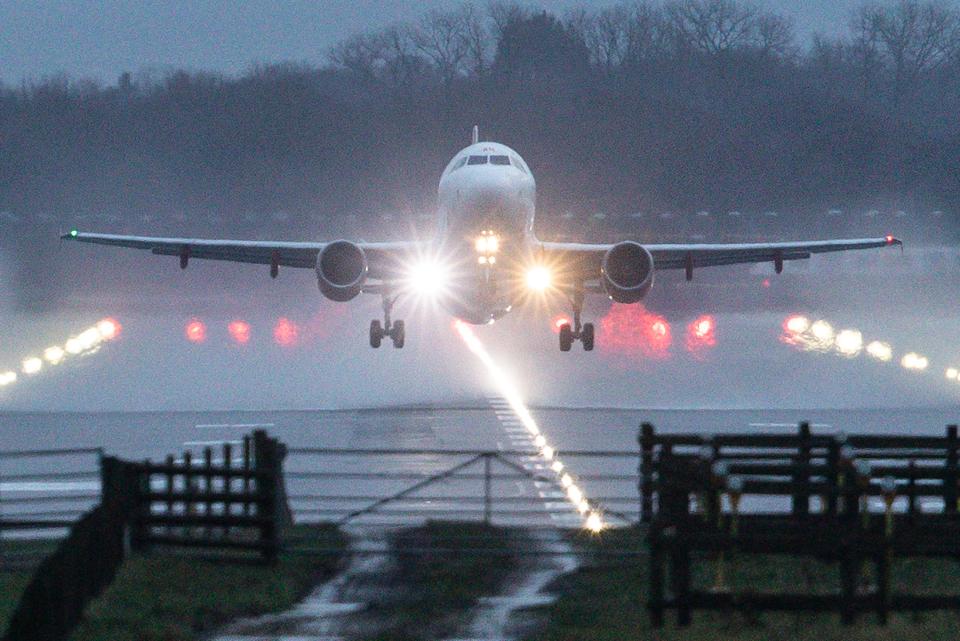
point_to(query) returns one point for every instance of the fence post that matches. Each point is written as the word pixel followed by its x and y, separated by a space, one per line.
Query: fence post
pixel 801 475
pixel 265 462
pixel 646 472
pixel 950 479
pixel 486 489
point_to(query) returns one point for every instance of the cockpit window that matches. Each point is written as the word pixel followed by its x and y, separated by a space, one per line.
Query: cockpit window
pixel 500 160
pixel 477 160
pixel 519 165
pixel 460 163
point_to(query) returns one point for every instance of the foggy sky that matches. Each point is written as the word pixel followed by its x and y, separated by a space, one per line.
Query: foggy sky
pixel 99 40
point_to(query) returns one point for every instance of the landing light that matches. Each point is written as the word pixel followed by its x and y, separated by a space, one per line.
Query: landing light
pixel 427 278
pixel 539 278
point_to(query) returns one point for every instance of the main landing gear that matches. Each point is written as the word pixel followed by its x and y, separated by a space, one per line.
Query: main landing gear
pixel 394 330
pixel 583 332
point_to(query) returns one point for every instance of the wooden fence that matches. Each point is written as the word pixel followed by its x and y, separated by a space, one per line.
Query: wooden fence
pixel 846 500
pixel 180 503
pixel 226 503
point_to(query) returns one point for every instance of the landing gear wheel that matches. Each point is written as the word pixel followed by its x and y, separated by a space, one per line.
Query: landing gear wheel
pixel 566 337
pixel 398 334
pixel 376 334
pixel 586 337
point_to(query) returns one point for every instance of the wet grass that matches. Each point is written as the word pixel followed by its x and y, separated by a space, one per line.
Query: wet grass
pixel 177 596
pixel 439 572
pixel 18 560
pixel 605 599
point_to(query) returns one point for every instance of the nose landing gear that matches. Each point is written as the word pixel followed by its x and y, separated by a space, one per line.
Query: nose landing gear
pixel 583 332
pixel 394 330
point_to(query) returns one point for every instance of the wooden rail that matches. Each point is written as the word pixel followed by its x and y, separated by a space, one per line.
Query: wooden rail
pixel 692 486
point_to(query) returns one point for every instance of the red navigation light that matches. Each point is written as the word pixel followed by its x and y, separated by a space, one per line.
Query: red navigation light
pixel 559 321
pixel 240 331
pixel 195 331
pixel 890 239
pixel 285 332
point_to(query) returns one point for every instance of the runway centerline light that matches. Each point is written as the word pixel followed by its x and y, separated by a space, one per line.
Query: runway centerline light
pixel 508 390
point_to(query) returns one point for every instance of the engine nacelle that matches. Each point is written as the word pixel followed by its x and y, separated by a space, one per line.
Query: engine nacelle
pixel 627 272
pixel 341 270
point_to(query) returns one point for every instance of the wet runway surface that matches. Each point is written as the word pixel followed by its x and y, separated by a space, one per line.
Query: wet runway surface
pixel 327 487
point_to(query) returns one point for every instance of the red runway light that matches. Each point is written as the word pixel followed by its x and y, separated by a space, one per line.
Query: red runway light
pixel 196 331
pixel 766 283
pixel 239 331
pixel 632 331
pixel 285 332
pixel 701 334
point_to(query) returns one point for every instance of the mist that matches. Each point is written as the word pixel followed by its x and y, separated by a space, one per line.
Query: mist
pixel 633 128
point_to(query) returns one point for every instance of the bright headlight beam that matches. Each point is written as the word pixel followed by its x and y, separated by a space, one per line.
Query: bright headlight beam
pixel 427 278
pixel 592 517
pixel 539 278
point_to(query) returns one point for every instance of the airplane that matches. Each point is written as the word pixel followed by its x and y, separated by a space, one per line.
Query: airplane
pixel 485 258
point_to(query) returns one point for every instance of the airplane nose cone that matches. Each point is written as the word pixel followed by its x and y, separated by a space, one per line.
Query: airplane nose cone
pixel 488 193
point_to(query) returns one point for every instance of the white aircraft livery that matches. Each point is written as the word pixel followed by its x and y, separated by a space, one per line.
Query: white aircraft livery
pixel 485 257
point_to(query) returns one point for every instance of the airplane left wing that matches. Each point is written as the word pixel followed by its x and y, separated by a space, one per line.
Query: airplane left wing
pixel 381 257
pixel 583 261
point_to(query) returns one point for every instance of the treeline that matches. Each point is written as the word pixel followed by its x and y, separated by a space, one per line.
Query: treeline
pixel 676 107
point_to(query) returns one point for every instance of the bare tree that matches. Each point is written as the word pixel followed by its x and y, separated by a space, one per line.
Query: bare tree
pixel 441 36
pixel 714 27
pixel 914 37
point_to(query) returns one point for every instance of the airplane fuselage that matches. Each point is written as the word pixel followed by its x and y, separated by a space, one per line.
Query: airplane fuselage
pixel 486 192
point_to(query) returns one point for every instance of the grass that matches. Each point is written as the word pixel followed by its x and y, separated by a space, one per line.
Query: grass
pixel 435 583
pixel 177 596
pixel 15 575
pixel 605 600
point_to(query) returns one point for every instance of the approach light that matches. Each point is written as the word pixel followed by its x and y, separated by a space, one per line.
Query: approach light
pixel 914 361
pixel 31 365
pixel 539 278
pixel 880 351
pixel 8 378
pixel 53 355
pixel 849 342
pixel 952 373
pixel 797 324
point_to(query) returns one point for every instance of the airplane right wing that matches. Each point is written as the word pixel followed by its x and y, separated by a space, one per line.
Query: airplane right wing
pixel 583 261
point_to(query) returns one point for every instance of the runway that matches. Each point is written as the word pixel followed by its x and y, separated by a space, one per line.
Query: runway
pixel 488 427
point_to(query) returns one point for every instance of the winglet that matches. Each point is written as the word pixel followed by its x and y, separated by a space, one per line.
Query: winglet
pixel 476 135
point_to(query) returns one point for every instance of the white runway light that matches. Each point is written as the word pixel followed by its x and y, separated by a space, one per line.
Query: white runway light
pixel 592 517
pixel 86 342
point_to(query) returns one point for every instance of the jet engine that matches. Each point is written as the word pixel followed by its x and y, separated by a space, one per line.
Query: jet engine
pixel 341 270
pixel 627 272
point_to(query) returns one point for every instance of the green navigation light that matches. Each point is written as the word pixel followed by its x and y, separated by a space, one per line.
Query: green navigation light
pixel 74 232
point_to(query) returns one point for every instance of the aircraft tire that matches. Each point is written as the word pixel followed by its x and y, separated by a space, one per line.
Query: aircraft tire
pixel 566 337
pixel 376 334
pixel 398 334
pixel 587 337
